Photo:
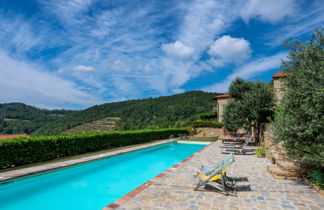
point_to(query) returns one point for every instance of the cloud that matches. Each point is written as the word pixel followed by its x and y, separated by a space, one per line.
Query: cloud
pixel 268 11
pixel 121 66
pixel 178 50
pixel 229 49
pixel 68 12
pixel 300 25
pixel 28 83
pixel 249 70
pixel 84 68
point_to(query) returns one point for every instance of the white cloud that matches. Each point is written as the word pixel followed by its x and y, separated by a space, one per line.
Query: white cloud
pixel 24 82
pixel 268 11
pixel 68 12
pixel 249 70
pixel 203 20
pixel 300 25
pixel 229 49
pixel 121 66
pixel 84 68
pixel 178 50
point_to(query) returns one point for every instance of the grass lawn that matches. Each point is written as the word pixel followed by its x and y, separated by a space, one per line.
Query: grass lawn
pixel 212 139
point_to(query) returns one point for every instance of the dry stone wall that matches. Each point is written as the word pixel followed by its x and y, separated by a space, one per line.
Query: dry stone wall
pixel 208 132
pixel 284 168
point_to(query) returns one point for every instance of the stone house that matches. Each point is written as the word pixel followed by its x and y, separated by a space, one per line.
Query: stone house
pixel 221 101
pixel 278 88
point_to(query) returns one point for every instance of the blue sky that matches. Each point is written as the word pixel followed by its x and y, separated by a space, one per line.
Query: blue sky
pixel 73 54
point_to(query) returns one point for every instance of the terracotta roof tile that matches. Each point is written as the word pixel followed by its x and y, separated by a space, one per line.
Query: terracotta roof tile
pixel 278 75
pixel 222 96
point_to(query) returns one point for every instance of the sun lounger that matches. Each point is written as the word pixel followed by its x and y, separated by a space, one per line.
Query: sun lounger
pixel 223 161
pixel 217 177
pixel 238 149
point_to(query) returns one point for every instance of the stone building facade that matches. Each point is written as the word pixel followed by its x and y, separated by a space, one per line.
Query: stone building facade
pixel 278 87
pixel 221 101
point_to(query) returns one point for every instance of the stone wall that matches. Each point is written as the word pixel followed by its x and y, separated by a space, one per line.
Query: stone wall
pixel 278 89
pixel 221 102
pixel 284 168
pixel 208 132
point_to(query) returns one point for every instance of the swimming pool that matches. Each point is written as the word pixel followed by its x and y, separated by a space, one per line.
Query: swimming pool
pixel 95 184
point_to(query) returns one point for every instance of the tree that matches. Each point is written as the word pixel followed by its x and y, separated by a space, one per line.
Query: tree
pixel 299 122
pixel 256 100
pixel 238 87
pixel 234 117
pixel 250 99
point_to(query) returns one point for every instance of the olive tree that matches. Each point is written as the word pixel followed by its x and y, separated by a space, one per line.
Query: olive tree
pixel 299 122
pixel 246 108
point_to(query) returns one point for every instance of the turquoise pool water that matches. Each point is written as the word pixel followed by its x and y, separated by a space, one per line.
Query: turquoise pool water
pixel 93 185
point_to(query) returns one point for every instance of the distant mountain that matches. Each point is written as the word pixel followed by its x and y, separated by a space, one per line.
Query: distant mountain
pixel 161 112
pixel 22 118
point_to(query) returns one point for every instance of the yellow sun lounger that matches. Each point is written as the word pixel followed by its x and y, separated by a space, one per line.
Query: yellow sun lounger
pixel 217 177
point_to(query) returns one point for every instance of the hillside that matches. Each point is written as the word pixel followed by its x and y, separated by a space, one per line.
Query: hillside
pixel 105 124
pixel 161 112
pixel 22 118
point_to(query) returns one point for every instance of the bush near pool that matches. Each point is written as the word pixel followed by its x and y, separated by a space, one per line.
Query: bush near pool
pixel 21 151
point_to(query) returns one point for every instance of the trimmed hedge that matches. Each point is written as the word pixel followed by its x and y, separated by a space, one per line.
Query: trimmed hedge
pixel 21 151
pixel 207 123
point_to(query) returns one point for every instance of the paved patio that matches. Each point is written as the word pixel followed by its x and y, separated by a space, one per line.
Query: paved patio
pixel 257 188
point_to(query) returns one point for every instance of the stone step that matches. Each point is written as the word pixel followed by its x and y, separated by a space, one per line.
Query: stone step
pixel 289 166
pixel 278 173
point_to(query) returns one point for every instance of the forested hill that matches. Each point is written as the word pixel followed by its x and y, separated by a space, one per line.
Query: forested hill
pixel 22 118
pixel 161 112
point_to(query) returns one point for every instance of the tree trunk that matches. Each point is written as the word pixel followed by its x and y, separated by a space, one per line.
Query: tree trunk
pixel 256 131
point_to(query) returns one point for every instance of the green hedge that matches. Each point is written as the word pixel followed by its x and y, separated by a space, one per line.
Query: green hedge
pixel 207 123
pixel 21 151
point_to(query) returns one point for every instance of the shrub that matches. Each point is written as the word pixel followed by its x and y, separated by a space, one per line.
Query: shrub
pixel 260 152
pixel 21 151
pixel 206 123
pixel 316 176
pixel 207 116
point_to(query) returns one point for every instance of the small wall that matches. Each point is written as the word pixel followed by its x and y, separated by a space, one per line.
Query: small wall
pixel 208 132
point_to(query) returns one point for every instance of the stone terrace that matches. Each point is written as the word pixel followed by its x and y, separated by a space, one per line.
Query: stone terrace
pixel 256 190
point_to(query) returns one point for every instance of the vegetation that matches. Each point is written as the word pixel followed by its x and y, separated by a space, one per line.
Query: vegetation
pixel 103 125
pixel 260 152
pixel 21 118
pixel 299 122
pixel 152 113
pixel 316 176
pixel 21 151
pixel 207 123
pixel 250 100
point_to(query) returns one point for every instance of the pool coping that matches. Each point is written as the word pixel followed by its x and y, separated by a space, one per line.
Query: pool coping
pixel 8 175
pixel 142 187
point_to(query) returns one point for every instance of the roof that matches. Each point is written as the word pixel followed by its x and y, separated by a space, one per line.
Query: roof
pixel 279 75
pixel 222 96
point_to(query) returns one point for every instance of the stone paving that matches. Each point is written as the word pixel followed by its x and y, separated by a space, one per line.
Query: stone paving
pixel 256 190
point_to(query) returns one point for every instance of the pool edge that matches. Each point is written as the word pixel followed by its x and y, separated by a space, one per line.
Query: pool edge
pixel 142 187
